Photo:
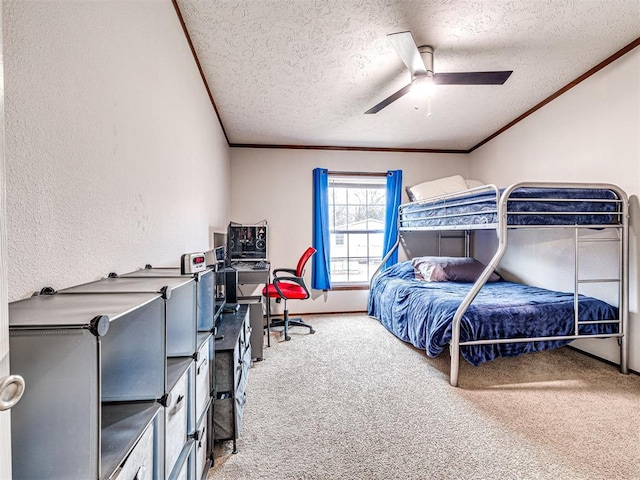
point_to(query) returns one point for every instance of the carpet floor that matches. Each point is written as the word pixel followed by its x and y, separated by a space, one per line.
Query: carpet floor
pixel 354 402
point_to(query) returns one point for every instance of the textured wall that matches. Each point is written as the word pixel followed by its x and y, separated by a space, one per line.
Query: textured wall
pixel 115 157
pixel 589 134
pixel 276 185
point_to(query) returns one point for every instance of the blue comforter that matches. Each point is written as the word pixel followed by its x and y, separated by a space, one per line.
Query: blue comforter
pixel 421 313
pixel 530 206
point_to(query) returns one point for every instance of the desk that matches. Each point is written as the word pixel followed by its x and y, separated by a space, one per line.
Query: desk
pixel 245 274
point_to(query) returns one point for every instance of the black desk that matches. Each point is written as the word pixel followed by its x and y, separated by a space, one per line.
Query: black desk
pixel 245 274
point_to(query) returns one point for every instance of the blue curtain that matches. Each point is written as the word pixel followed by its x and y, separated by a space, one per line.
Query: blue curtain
pixel 394 195
pixel 320 272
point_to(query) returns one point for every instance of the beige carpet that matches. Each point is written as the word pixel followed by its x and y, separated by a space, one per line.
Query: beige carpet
pixel 354 402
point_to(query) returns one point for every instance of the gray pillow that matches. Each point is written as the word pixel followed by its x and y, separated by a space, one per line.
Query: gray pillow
pixel 449 269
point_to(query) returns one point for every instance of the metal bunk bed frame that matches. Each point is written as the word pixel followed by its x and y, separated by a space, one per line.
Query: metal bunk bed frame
pixel 501 227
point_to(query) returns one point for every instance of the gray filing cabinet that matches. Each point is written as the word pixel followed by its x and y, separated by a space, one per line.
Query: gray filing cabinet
pixel 202 380
pixel 94 365
pixel 232 363
pixel 179 294
pixel 205 290
pixel 184 364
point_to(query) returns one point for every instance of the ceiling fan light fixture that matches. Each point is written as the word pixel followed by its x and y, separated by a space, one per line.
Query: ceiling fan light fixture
pixel 422 86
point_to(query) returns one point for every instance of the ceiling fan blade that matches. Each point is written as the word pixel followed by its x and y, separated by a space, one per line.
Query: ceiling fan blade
pixel 471 78
pixel 406 47
pixel 388 100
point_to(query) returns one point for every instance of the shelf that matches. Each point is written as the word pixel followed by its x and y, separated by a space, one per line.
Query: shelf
pixel 122 426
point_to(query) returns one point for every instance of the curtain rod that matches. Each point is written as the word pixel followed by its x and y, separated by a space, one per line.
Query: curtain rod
pixel 358 174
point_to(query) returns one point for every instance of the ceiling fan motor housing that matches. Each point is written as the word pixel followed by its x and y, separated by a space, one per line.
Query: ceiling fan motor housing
pixel 426 52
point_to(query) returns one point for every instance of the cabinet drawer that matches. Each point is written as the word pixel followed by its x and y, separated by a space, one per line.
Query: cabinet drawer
pixel 245 335
pixel 139 464
pixel 225 363
pixel 242 379
pixel 241 400
pixel 225 418
pixel 242 368
pixel 201 448
pixel 176 422
pixel 202 380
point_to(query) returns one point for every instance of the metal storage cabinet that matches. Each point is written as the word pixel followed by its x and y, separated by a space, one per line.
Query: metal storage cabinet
pixel 205 290
pixel 77 353
pixel 205 311
pixel 180 304
pixel 179 294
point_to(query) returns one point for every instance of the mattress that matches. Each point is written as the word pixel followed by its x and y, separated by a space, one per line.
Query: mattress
pixel 526 206
pixel 421 313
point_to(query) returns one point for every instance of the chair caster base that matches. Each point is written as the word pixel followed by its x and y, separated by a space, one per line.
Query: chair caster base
pixel 287 338
pixel 312 331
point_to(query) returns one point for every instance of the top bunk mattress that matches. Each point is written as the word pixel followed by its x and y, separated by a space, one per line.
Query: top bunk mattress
pixel 526 206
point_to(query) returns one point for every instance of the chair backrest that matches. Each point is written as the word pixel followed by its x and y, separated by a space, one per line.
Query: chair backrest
pixel 308 253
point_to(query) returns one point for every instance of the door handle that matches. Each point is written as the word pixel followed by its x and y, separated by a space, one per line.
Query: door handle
pixel 11 390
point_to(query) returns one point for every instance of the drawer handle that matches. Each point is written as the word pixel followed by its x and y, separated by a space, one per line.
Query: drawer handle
pixel 178 406
pixel 200 366
pixel 139 473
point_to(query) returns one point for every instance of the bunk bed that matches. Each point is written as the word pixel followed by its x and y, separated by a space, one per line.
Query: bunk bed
pixel 480 316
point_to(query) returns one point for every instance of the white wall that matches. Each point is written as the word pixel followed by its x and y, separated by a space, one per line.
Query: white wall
pixel 115 157
pixel 590 134
pixel 276 185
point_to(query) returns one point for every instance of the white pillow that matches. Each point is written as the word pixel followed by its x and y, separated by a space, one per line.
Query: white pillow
pixel 441 186
pixel 473 183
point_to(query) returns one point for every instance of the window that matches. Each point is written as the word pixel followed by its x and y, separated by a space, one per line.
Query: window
pixel 356 226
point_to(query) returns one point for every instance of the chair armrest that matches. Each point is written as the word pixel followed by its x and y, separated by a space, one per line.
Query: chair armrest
pixel 291 271
pixel 297 280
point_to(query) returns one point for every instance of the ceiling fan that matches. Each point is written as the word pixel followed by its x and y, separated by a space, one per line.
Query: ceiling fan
pixel 419 62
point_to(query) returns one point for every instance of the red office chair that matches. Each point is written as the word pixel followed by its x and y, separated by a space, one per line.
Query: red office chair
pixel 288 284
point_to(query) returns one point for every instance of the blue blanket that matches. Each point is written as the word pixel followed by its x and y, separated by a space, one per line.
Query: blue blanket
pixel 531 206
pixel 421 313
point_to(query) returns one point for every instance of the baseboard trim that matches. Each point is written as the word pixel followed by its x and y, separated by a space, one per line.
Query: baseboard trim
pixel 596 357
pixel 293 314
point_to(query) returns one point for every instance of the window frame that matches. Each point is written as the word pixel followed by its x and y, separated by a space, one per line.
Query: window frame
pixel 357 179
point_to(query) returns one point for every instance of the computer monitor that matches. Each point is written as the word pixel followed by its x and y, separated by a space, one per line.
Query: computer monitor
pixel 247 243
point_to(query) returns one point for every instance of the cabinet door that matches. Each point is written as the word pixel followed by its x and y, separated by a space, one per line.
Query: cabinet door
pixel 202 389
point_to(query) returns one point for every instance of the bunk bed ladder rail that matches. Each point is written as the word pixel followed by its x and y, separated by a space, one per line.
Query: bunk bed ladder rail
pixel 620 239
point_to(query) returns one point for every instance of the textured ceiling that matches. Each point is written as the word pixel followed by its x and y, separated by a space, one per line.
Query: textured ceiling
pixel 303 72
